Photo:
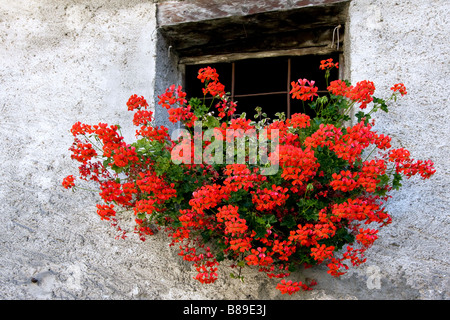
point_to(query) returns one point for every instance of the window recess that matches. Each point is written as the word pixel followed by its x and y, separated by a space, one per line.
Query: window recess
pixel 257 50
pixel 264 82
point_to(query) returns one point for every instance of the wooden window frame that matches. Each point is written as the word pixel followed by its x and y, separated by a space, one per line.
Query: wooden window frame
pixel 235 97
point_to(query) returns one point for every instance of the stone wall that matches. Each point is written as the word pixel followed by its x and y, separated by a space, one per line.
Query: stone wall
pixel 66 61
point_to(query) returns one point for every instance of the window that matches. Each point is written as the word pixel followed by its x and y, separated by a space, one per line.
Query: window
pixel 264 82
pixel 258 49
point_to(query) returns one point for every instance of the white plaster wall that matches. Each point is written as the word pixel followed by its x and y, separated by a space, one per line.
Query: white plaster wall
pixel 407 41
pixel 64 61
pixel 60 62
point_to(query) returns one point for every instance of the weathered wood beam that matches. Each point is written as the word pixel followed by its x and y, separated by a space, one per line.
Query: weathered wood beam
pixel 176 12
pixel 271 26
pixel 229 57
pixel 320 37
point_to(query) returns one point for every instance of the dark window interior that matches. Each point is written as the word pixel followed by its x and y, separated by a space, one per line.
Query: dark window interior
pixel 264 82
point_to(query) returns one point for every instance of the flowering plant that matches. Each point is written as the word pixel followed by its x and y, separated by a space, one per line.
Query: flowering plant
pixel 315 195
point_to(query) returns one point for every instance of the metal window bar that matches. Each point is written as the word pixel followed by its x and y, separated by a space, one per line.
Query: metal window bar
pixel 288 106
pixel 288 85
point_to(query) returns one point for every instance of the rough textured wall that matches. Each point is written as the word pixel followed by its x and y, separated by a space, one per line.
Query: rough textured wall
pixel 63 61
pixel 407 41
pixel 60 62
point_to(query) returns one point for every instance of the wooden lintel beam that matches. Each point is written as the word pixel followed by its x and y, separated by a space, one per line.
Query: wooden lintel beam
pixel 176 12
pixel 230 57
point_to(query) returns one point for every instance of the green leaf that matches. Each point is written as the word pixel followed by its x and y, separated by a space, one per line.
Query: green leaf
pixel 212 122
pixel 281 116
pixel 176 224
pixel 288 221
pixel 384 179
pixel 220 256
pixel 292 268
pixel 381 103
pixel 270 219
pixel 318 121
pixel 107 162
pixel 260 231
pixel 322 100
pixel 162 165
pixel 359 115
pixel 195 102
pixel 141 216
pixel 232 275
pixel 206 235
pixel 396 181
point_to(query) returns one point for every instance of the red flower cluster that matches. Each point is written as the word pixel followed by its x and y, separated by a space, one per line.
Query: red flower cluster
pixel 82 152
pixel 142 117
pixel 106 211
pixel 259 257
pixel 345 181
pixel 299 121
pixel 173 95
pixel 183 114
pixel 213 87
pixel 269 199
pixel 304 90
pixel 124 155
pixel 298 165
pixel 400 87
pixel 361 93
pixel 338 87
pixel 230 217
pixel 314 210
pixel 208 74
pixel 328 64
pixel 290 287
pixel 160 134
pixel 410 167
pixel 226 108
pixel 135 102
pixel 69 182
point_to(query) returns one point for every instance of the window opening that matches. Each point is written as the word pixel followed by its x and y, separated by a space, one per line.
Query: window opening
pixel 264 82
